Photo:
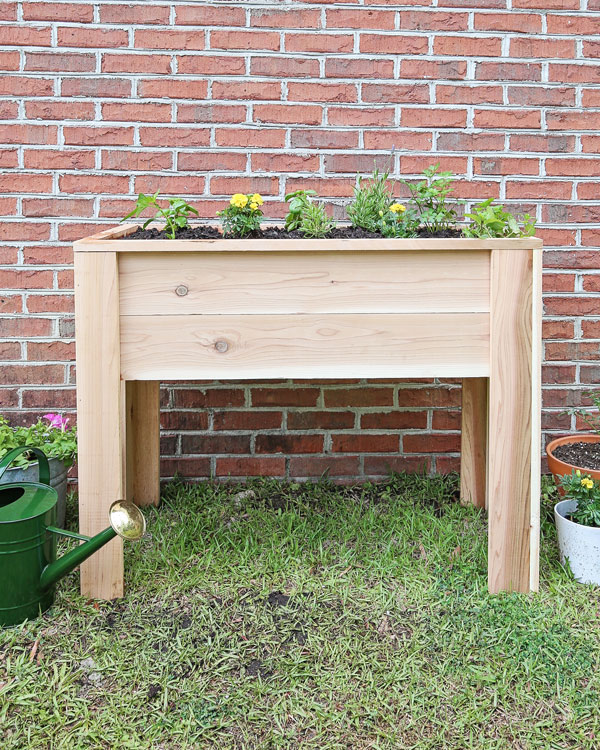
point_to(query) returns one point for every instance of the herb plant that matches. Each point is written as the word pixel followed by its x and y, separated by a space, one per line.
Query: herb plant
pixel 52 436
pixel 175 215
pixel 583 489
pixel 371 202
pixel 430 197
pixel 242 216
pixel 299 201
pixel 315 222
pixel 392 222
pixel 488 220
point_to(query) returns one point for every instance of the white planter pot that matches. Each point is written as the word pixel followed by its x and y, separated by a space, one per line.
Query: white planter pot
pixel 578 544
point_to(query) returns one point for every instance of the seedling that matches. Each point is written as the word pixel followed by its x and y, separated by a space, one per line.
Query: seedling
pixel 175 215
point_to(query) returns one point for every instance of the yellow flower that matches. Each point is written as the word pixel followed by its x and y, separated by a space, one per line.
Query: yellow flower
pixel 239 200
pixel 256 198
pixel 578 473
pixel 254 205
pixel 587 483
pixel 397 208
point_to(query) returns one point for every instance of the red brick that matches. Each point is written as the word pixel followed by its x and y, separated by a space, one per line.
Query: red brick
pixel 470 142
pixel 46 398
pixel 28 134
pixel 534 190
pixel 134 13
pixel 229 185
pixel 136 63
pixel 589 374
pixel 590 98
pixel 467 46
pixel 180 185
pixel 361 116
pixel 383 465
pixel 98 136
pixel 303 18
pixel 305 138
pixel 589 237
pixel 96 87
pixel 247 420
pixel 468 94
pixel 340 67
pixel 284 396
pixel 329 187
pixel 428 397
pixel 284 67
pixel 358 397
pixel 17 231
pixel 364 443
pixel 569 120
pixel 287 163
pixel 251 90
pixel 58 159
pixel 522 46
pixel 586 25
pixel 434 117
pixel 174 137
pixel 542 143
pixel 25 327
pixel 331 466
pixel 558 374
pixel 394 420
pixel 48 255
pixel 505 165
pixel 32 374
pixel 215 444
pixel 289 443
pixel 209 113
pixel 537 96
pixel 142 112
pixel 571 305
pixel 200 161
pixel 556 237
pixel 573 73
pixel 10 350
pixel 572 167
pixel 211 397
pixel 175 39
pixel 572 351
pixel 319 43
pixel 211 64
pixel 433 20
pixel 527 23
pixel 250 137
pixel 547 4
pixel 416 164
pixel 591 48
pixel 9 60
pixel 41 11
pixel 591 283
pixel 265 466
pixel 50 303
pixel 446 420
pixel 591 328
pixel 431 443
pixel 77 36
pixel 163 88
pixel 509 119
pixel 433 69
pixel 185 467
pixel 508 71
pixel 59 207
pixel 286 113
pixel 25 36
pixel 400 93
pixel 136 161
pixel 96 184
pixel 26 183
pixel 324 420
pixel 342 18
pixel 394 44
pixel 209 15
pixel 50 351
pixel 8 11
pixel 322 92
pixel 252 40
pixel 26 86
pixel 59 61
pixel 54 109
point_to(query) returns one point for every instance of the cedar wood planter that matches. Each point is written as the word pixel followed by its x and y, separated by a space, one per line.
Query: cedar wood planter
pixel 151 310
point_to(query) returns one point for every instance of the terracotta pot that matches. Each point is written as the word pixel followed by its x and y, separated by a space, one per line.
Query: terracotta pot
pixel 560 468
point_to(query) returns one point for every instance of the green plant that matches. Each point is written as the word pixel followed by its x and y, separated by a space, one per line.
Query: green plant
pixel 591 420
pixel 583 489
pixel 242 216
pixel 371 201
pixel 392 222
pixel 175 215
pixel 52 436
pixel 315 222
pixel 299 200
pixel 431 210
pixel 488 220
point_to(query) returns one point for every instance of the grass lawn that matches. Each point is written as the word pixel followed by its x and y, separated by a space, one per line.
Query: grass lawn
pixel 310 616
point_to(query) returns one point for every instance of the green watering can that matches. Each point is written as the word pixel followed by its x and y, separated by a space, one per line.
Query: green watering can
pixel 29 569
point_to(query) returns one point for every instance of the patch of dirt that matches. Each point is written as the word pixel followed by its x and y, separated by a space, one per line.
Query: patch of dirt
pixel 256 668
pixel 208 232
pixel 585 455
pixel 277 599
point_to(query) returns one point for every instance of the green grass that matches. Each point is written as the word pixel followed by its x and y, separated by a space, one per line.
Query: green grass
pixel 310 616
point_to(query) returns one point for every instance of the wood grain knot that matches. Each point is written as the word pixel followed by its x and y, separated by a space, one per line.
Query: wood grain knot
pixel 181 290
pixel 221 346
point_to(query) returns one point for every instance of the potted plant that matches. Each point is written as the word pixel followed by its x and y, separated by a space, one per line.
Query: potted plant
pixel 580 451
pixel 55 439
pixel 577 520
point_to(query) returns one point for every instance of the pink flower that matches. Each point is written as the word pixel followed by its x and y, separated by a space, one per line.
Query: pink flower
pixel 57 420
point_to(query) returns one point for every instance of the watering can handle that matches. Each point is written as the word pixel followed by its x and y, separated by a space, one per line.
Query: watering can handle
pixel 43 466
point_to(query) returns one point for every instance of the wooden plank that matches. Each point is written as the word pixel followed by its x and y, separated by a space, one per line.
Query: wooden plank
pixel 258 283
pixel 100 416
pixel 514 457
pixel 143 442
pixel 473 447
pixel 304 346
pixel 105 242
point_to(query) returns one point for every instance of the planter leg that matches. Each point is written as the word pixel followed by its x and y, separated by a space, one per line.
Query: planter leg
pixel 514 421
pixel 100 416
pixel 473 447
pixel 143 448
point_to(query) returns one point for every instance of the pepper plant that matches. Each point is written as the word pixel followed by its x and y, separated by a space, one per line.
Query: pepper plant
pixel 175 215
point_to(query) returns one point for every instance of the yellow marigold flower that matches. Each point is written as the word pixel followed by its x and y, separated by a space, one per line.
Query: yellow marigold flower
pixel 256 198
pixel 239 200
pixel 254 205
pixel 397 208
pixel 587 483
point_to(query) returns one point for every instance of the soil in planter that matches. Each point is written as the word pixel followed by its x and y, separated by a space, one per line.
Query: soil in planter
pixel 586 455
pixel 207 232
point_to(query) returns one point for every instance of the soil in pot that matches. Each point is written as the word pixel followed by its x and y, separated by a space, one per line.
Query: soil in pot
pixel 586 455
pixel 208 232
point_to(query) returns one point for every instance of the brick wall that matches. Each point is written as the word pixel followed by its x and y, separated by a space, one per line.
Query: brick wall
pixel 100 100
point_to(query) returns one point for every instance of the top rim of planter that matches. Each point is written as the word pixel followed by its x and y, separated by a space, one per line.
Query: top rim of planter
pixel 105 242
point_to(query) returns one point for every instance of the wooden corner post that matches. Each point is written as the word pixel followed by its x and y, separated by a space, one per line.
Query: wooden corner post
pixel 513 488
pixel 100 415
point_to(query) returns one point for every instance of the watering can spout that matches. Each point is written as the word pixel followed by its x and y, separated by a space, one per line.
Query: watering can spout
pixel 126 520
